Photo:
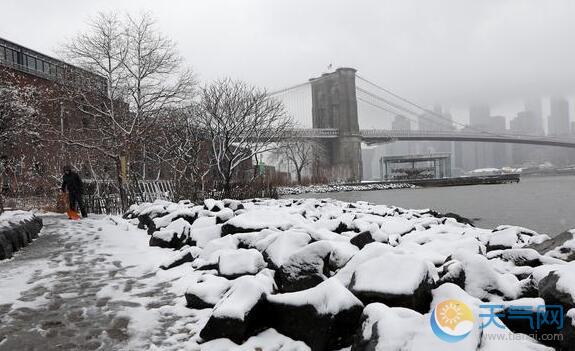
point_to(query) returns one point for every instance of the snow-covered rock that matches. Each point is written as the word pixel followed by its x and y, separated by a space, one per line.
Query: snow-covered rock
pixel 260 219
pixel 235 263
pixel 377 280
pixel 17 230
pixel 558 287
pixel 175 235
pixel 298 271
pixel 239 313
pixel 325 317
pixel 206 291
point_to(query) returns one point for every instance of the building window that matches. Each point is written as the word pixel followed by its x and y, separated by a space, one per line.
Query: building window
pixel 30 62
pixel 11 56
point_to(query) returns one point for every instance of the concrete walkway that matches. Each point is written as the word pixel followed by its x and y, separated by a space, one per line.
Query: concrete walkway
pixel 59 302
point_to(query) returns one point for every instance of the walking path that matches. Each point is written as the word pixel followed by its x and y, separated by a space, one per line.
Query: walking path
pixel 90 285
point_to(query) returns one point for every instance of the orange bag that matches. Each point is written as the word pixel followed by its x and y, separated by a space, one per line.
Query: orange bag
pixel 73 214
pixel 63 201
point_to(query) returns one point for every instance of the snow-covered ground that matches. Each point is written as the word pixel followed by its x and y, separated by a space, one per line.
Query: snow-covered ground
pixel 275 275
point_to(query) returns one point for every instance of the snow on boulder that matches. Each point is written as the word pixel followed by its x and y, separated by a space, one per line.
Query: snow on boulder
pixel 369 252
pixel 452 272
pixel 362 239
pixel 259 219
pixel 277 247
pixel 507 237
pixel 313 264
pixel 233 204
pixel 206 291
pixel 523 257
pixel 235 263
pixel 268 339
pixel 175 235
pixel 185 254
pixel 388 328
pixel 184 212
pixel 203 235
pixel 561 246
pixel 304 269
pixel 224 215
pixel 397 226
pixel 325 317
pixel 17 230
pixel 558 287
pixel 213 205
pixel 377 280
pixel 239 314
pixel 483 281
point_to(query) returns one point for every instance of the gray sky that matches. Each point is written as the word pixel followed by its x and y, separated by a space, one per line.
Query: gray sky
pixel 449 51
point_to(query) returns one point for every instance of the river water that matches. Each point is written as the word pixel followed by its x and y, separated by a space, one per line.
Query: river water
pixel 544 204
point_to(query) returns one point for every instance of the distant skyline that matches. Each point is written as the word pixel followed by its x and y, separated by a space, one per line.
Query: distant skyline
pixel 454 52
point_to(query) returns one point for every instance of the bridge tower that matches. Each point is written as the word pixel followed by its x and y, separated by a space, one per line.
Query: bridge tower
pixel 334 105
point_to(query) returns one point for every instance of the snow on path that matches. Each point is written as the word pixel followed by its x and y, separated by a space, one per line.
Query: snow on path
pixel 91 284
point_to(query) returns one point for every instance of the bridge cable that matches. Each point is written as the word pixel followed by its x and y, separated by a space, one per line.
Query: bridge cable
pixel 428 111
pixel 423 108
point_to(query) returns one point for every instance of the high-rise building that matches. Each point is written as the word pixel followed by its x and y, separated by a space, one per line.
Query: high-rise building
pixel 535 106
pixel 479 115
pixel 499 151
pixel 558 120
pixel 400 147
pixel 526 123
pixel 474 154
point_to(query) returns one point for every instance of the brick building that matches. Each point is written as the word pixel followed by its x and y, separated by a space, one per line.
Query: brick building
pixel 31 164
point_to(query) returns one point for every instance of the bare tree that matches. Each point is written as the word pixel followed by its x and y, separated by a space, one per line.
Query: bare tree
pixel 184 149
pixel 300 154
pixel 240 122
pixel 17 112
pixel 134 77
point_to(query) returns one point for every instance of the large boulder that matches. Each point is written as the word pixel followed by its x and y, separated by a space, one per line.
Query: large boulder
pixel 175 235
pixel 256 220
pixel 325 317
pixel 235 263
pixel 387 328
pixel 558 287
pixel 523 257
pixel 377 280
pixel 508 237
pixel 277 247
pixel 239 314
pixel 206 291
pixel 484 281
pixel 184 255
pixel 304 269
pixel 313 264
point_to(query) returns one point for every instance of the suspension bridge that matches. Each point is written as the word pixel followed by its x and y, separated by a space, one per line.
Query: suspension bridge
pixel 334 102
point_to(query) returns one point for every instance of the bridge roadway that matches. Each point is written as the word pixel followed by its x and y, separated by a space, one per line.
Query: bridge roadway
pixel 381 136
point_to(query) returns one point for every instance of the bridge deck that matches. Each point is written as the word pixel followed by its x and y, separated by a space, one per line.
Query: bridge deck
pixel 380 136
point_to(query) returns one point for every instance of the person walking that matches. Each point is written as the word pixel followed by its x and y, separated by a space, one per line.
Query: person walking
pixel 72 184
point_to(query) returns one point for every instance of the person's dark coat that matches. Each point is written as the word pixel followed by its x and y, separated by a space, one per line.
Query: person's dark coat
pixel 72 183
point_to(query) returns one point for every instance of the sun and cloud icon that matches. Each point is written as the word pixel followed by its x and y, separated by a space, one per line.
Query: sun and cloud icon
pixel 452 320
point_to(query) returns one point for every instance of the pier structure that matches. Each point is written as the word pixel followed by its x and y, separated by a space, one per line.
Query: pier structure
pixel 408 167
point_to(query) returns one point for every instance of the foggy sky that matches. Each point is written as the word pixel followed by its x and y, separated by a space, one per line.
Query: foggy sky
pixel 451 51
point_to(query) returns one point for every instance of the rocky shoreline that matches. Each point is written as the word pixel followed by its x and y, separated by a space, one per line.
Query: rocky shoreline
pixel 17 230
pixel 324 275
pixel 331 188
